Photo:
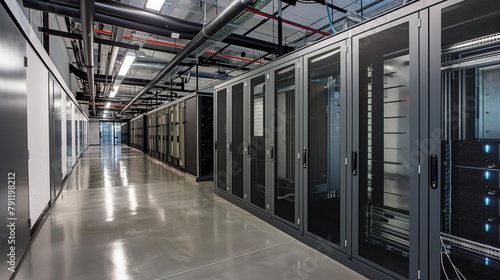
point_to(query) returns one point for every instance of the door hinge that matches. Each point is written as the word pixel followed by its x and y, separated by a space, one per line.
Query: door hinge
pixel 25 61
pixel 419 169
pixel 418 274
pixel 245 196
pixel 298 65
pixel 298 221
pixel 268 76
pixel 227 188
pixel 345 243
pixel 346 49
pixel 27 154
pixel 419 22
pixel 267 207
pixel 298 155
pixel 345 161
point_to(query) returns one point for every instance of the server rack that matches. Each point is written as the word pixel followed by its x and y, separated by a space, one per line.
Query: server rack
pixel 139 133
pixel 397 155
pixel 466 174
pixel 179 133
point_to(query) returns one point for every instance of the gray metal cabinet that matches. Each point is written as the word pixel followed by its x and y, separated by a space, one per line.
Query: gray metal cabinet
pixel 13 148
pixel 385 137
pixel 257 132
pixel 324 151
pixel 284 141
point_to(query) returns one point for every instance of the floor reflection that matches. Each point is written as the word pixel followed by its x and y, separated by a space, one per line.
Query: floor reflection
pixel 124 215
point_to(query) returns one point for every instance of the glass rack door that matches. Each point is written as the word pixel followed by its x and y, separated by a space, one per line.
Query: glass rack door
pixel 257 141
pixel 465 184
pixel 385 135
pixel 283 152
pixel 325 139
pixel 236 144
pixel 220 140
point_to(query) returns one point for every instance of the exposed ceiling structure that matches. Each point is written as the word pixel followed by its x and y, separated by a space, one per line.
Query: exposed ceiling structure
pixel 135 40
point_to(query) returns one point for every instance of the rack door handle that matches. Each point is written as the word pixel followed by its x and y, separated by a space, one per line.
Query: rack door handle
pixel 248 149
pixel 304 157
pixel 272 153
pixel 354 158
pixel 230 147
pixel 433 171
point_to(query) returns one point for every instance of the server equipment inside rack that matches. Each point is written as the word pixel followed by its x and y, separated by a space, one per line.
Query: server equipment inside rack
pixel 179 133
pixel 470 75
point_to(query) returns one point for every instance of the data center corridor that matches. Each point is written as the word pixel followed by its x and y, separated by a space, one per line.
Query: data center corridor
pixel 123 215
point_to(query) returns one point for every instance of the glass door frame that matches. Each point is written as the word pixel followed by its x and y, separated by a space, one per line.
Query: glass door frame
pixel 296 62
pixel 217 144
pixel 247 138
pixel 231 146
pixel 414 130
pixel 342 46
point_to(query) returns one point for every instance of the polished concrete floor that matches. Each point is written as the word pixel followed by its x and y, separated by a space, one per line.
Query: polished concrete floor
pixel 123 215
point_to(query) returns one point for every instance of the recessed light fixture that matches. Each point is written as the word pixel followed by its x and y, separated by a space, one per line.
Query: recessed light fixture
pixel 127 62
pixel 114 91
pixel 108 105
pixel 155 4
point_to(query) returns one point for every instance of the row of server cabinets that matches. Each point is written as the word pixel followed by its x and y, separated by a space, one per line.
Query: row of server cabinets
pixel 380 146
pixel 179 133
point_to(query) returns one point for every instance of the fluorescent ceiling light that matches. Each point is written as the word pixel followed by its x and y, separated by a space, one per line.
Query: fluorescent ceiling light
pixel 114 91
pixel 108 105
pixel 127 62
pixel 155 4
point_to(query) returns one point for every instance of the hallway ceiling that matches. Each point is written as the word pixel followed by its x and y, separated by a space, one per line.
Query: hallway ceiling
pixel 153 51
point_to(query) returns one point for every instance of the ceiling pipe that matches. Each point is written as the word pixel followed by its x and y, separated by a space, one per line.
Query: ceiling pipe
pixel 159 66
pixel 287 22
pixel 144 21
pixel 246 33
pixel 208 31
pixel 87 18
pixel 107 79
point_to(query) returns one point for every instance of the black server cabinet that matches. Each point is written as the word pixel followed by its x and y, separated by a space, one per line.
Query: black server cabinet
pixel 199 136
pixel 206 137
pixel 191 139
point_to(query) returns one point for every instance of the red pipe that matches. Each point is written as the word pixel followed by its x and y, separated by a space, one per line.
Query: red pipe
pixel 286 21
pixel 174 45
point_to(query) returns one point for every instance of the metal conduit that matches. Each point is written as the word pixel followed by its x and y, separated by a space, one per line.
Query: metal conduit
pixel 208 31
pixel 87 17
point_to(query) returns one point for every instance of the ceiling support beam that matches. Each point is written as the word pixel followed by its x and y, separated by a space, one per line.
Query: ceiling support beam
pixel 79 37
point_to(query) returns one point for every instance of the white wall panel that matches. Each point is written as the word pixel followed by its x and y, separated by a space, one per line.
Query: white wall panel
pixel 94 133
pixel 38 134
